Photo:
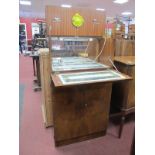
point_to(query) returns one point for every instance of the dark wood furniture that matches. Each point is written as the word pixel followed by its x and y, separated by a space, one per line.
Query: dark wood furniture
pixel 80 111
pixel 132 150
pixel 123 93
pixel 36 71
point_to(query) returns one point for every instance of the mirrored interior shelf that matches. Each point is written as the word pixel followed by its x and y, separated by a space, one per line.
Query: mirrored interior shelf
pixel 75 63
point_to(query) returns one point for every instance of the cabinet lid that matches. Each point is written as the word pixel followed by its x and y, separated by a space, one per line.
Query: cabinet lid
pixel 79 78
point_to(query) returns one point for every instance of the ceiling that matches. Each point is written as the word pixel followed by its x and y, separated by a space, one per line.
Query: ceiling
pixel 37 9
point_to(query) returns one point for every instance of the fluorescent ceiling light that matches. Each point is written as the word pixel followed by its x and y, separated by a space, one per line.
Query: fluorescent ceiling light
pixel 25 2
pixel 100 9
pixel 61 39
pixel 66 6
pixel 126 13
pixel 90 39
pixel 120 1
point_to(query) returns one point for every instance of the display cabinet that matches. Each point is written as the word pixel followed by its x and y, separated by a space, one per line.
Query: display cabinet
pixel 81 79
pixel 81 104
pixel 74 46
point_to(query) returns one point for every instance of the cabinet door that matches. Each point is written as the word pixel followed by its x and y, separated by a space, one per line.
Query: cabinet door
pixel 83 30
pixel 80 111
pixel 56 21
pixel 59 22
pixel 98 23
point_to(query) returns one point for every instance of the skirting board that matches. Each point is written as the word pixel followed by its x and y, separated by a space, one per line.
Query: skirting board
pixel 79 139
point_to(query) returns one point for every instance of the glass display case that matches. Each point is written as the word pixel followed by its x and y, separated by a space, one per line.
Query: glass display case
pixel 71 46
pixel 75 53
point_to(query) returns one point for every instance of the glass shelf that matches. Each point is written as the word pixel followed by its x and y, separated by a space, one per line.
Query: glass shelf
pixel 87 77
pixel 75 63
pixel 71 46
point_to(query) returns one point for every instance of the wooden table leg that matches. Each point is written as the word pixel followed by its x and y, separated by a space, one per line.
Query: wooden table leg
pixel 38 71
pixel 132 151
pixel 37 82
pixel 121 125
pixel 34 71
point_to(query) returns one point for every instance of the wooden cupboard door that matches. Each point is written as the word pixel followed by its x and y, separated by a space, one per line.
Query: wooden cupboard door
pixel 59 22
pixel 84 29
pixel 56 21
pixel 64 27
pixel 97 20
pixel 80 111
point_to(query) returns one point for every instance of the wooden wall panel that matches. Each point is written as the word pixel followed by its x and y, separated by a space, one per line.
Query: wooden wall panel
pixel 108 51
pixel 45 70
pixel 93 49
pixel 99 25
pixel 65 27
pixel 125 47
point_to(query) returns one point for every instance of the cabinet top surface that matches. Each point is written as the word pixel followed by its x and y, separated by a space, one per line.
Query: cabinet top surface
pixel 66 79
pixel 126 60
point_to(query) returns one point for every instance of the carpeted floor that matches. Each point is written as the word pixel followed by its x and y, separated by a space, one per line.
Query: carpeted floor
pixel 35 139
pixel 21 99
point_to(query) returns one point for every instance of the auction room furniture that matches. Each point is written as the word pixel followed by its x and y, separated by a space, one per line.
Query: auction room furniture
pixel 60 65
pixel 36 70
pixel 123 93
pixel 45 70
pixel 65 57
pixel 81 103
pixel 80 86
pixel 59 23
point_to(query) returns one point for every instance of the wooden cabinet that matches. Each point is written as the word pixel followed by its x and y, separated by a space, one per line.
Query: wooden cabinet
pixel 81 108
pixel 45 70
pixel 80 112
pixel 59 22
pixel 123 94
